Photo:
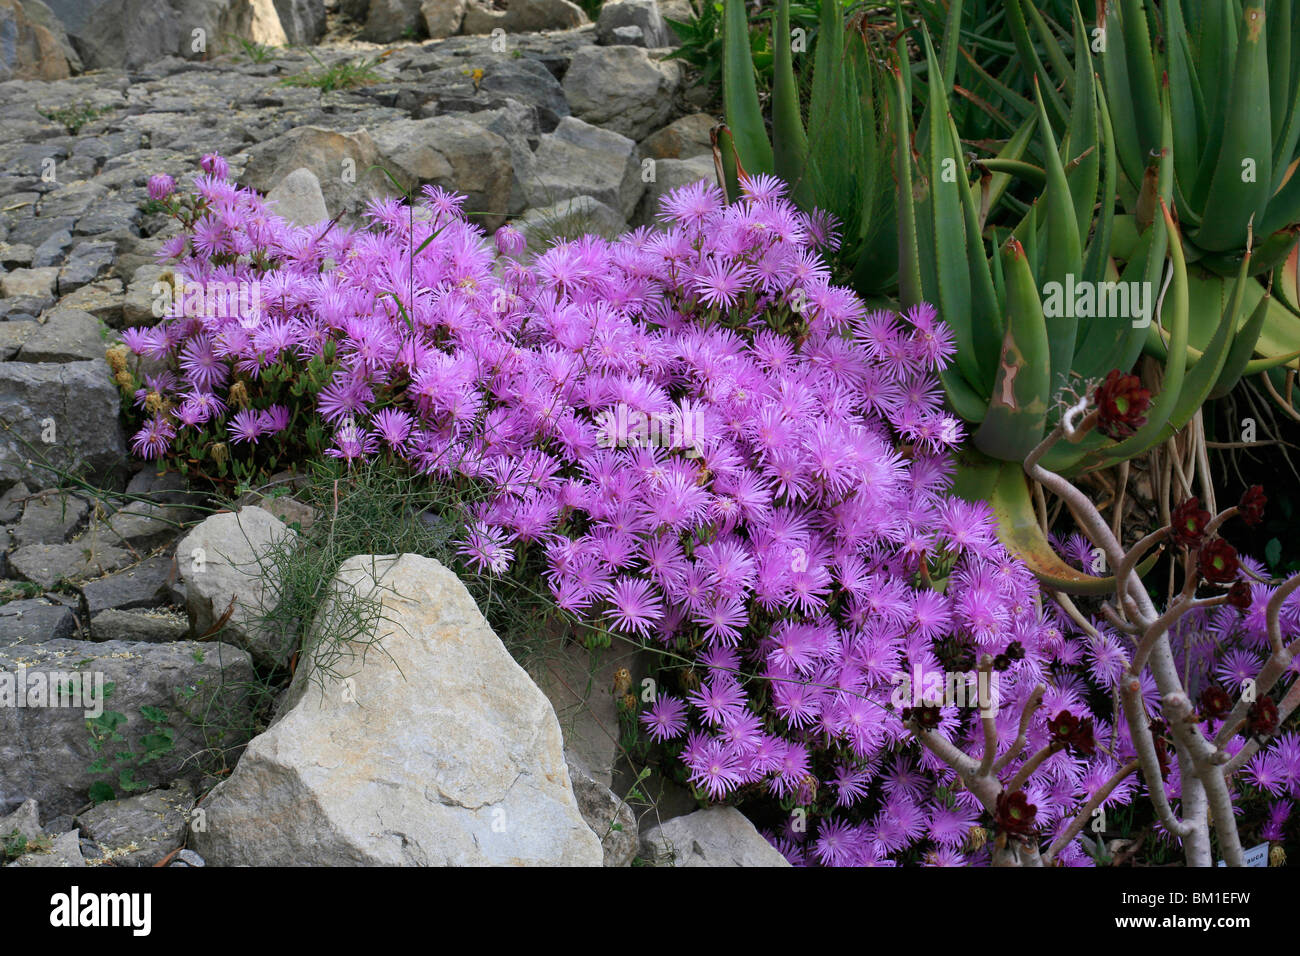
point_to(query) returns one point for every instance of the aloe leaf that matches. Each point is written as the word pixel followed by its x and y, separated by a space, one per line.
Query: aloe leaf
pixel 1175 368
pixel 1017 412
pixel 1243 346
pixel 1062 254
pixel 789 141
pixel 1006 489
pixel 740 92
pixel 1243 176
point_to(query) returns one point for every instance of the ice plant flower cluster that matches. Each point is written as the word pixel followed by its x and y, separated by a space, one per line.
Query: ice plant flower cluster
pixel 797 558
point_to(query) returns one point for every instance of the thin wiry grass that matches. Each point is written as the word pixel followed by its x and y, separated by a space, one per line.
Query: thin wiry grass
pixel 345 75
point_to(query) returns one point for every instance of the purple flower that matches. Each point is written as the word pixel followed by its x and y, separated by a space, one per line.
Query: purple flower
pixel 161 186
pixel 666 718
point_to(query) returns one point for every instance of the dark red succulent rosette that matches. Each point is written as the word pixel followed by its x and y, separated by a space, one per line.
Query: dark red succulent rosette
pixel 1252 504
pixel 1063 726
pixel 1261 719
pixel 1217 562
pixel 1216 703
pixel 1014 814
pixel 1239 595
pixel 926 716
pixel 1121 404
pixel 1083 740
pixel 1187 523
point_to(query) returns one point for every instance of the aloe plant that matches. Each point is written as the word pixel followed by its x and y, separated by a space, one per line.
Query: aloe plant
pixel 839 160
pixel 1016 359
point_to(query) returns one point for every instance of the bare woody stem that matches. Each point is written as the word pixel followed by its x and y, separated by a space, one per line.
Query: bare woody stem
pixel 1085 814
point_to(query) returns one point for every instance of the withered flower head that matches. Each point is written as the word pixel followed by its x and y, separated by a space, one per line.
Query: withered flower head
pixel 1261 719
pixel 1187 523
pixel 1252 505
pixel 1121 404
pixel 116 358
pixel 622 680
pixel 1218 562
pixel 1215 703
pixel 1239 595
pixel 1015 814
pixel 1162 757
pixel 1158 730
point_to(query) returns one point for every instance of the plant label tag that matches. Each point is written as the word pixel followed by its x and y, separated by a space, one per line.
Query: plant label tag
pixel 1255 856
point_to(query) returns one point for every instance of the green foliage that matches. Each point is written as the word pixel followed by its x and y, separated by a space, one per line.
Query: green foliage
pixel 344 75
pixel 253 51
pixel 19 590
pixel 701 39
pixel 15 844
pixel 117 757
pixel 76 115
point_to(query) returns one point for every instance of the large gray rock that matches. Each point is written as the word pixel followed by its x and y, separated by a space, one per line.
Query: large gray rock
pixel 531 16
pixel 423 743
pixel 718 836
pixel 226 570
pixel 28 50
pixel 622 89
pixel 41 13
pixel 128 34
pixel 515 123
pixel 25 821
pixel 50 517
pixel 642 14
pixel 670 174
pixel 610 818
pixel 52 564
pixel 482 18
pixel 88 262
pixel 341 162
pixel 389 20
pixel 35 621
pixel 154 823
pixel 65 413
pixel 454 153
pixel 144 585
pixel 681 139
pixel 454 89
pixel 303 21
pixel 73 14
pixel 146 297
pixel 153 626
pixel 569 219
pixel 298 198
pixel 579 159
pixel 67 335
pixel 64 851
pixel 38 283
pixel 442 18
pixel 205 690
